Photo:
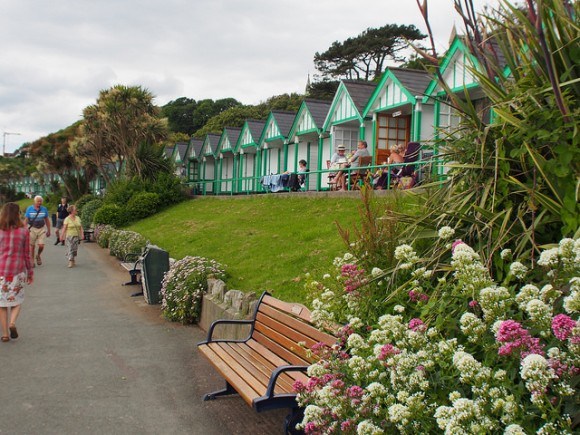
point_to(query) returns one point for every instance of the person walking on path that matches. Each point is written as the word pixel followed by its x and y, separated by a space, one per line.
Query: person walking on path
pixel 39 227
pixel 61 214
pixel 72 232
pixel 16 267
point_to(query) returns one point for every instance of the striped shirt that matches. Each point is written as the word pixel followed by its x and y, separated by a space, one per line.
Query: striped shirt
pixel 15 253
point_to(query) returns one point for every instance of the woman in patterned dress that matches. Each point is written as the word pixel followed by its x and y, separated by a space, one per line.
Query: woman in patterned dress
pixel 72 232
pixel 16 267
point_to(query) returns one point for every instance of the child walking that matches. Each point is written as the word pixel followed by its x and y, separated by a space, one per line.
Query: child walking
pixel 72 234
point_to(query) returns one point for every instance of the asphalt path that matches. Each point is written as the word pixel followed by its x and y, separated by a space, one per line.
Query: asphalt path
pixel 91 359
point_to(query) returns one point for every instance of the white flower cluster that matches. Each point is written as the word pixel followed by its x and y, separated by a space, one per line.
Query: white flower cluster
pixel 446 233
pixel 506 254
pixel 406 256
pixel 464 417
pixel 540 313
pixel 472 326
pixel 494 302
pixel 518 270
pixel 537 374
pixel 566 256
pixel 347 258
pixel 470 273
pixel 572 302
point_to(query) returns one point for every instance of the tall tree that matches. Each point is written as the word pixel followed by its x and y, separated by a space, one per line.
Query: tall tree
pixel 119 125
pixel 179 114
pixel 364 56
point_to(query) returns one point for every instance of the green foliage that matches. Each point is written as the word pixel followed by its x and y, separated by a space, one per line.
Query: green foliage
pixel 89 210
pixel 123 242
pixel 103 234
pixel 514 182
pixel 184 285
pixel 179 114
pixel 363 57
pixel 142 205
pixel 82 201
pixel 121 191
pixel 168 188
pixel 323 89
pixel 112 214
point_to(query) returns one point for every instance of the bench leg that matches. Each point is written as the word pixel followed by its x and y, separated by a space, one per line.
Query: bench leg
pixel 134 280
pixel 296 416
pixel 225 392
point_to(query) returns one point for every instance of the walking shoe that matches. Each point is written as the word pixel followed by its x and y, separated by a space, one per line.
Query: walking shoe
pixel 57 242
pixel 70 263
pixel 62 243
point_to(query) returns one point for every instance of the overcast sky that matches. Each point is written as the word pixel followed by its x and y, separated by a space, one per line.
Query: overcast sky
pixel 55 56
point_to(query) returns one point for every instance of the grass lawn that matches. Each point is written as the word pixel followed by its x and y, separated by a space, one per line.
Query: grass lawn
pixel 266 242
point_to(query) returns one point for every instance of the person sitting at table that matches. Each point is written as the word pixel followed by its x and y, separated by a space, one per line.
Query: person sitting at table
pixel 352 162
pixel 337 161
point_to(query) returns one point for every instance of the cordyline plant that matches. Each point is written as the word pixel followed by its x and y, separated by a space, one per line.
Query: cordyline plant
pixel 453 351
pixel 515 179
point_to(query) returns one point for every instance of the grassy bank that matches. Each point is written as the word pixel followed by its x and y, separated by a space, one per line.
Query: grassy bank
pixel 266 242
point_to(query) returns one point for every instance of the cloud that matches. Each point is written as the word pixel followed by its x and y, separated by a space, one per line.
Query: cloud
pixel 58 55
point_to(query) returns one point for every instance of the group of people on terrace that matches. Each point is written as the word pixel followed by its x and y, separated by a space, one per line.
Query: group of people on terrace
pixel 340 162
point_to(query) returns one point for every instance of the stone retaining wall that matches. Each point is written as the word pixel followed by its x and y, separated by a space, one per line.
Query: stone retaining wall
pixel 221 303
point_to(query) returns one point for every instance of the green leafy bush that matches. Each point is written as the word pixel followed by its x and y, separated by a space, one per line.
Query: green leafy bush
pixel 124 242
pixel 169 189
pixel 111 214
pixel 82 201
pixel 142 205
pixel 89 210
pixel 120 192
pixel 103 234
pixel 183 287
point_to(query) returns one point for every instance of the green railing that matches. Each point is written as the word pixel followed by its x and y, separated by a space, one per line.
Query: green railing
pixel 247 185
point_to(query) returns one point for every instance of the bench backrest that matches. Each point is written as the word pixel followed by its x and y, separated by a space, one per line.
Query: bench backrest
pixel 286 329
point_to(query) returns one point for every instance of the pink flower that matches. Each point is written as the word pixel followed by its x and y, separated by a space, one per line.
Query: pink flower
pixel 354 392
pixel 417 325
pixel 388 350
pixel 473 304
pixel 298 386
pixel 457 243
pixel 346 425
pixel 416 296
pixel 562 326
pixel 517 338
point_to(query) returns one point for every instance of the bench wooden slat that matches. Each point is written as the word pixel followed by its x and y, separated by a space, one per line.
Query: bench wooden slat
pixel 277 348
pixel 297 310
pixel 306 329
pixel 272 357
pixel 260 369
pixel 242 382
pixel 292 338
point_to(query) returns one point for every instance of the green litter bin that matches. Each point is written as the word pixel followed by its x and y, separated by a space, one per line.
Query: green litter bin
pixel 155 265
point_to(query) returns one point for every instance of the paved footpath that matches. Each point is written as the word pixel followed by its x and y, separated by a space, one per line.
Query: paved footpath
pixel 93 360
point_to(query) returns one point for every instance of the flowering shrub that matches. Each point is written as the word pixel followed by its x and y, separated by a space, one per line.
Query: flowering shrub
pixel 183 286
pixel 452 351
pixel 103 234
pixel 124 242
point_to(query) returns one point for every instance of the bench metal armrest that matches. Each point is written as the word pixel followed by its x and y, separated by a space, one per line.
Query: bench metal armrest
pixel 276 373
pixel 222 322
pixel 135 256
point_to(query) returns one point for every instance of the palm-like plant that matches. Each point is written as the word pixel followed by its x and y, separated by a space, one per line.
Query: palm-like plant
pixel 515 180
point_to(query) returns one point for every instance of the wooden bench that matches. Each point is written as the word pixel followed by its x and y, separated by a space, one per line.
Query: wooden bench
pixel 263 367
pixel 132 263
pixel 88 235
